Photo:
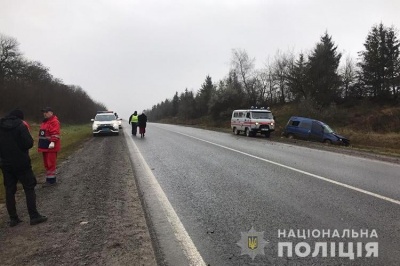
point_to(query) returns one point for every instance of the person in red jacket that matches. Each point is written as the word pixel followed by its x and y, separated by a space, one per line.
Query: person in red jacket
pixel 49 144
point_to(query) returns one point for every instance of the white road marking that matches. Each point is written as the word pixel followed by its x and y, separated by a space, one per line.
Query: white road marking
pixel 186 243
pixel 297 170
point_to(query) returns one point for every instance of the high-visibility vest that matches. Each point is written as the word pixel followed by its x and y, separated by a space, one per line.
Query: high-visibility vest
pixel 134 119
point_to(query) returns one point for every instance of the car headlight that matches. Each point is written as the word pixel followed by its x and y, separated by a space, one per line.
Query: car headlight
pixel 115 125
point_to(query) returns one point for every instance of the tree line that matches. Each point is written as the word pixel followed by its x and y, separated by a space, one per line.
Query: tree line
pixel 315 79
pixel 29 86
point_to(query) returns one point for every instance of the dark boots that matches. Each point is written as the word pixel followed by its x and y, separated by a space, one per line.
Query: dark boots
pixel 39 219
pixel 14 221
pixel 36 220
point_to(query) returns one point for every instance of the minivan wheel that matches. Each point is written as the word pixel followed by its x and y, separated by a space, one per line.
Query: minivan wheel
pixel 327 141
pixel 290 136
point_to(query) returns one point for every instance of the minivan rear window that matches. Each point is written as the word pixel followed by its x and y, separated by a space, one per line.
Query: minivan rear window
pixel 295 123
pixel 305 124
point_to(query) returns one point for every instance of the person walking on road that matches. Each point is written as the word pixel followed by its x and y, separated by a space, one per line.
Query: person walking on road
pixel 49 144
pixel 133 120
pixel 142 120
pixel 15 163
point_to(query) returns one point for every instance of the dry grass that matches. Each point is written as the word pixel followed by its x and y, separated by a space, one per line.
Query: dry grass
pixel 383 143
pixel 369 127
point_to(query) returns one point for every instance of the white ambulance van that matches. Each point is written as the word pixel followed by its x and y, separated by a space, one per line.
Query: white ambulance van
pixel 253 121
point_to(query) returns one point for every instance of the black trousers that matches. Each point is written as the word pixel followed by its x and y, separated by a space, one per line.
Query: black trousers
pixel 28 181
pixel 134 128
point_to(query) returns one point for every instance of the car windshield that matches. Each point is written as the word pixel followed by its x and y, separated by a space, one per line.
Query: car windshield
pixel 261 115
pixel 104 117
pixel 327 129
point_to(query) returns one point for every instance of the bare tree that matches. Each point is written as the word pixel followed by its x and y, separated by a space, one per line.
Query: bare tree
pixel 30 86
pixel 349 76
pixel 244 67
pixel 9 57
pixel 281 69
pixel 267 84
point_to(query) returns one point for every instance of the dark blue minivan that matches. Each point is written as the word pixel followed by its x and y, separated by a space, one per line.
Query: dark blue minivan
pixel 314 130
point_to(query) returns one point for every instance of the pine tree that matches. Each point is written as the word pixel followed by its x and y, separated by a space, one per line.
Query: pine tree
pixel 204 95
pixel 187 106
pixel 322 71
pixel 393 61
pixel 175 104
pixel 297 79
pixel 380 62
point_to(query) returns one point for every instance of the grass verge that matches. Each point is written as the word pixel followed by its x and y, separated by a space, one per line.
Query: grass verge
pixel 373 129
pixel 72 136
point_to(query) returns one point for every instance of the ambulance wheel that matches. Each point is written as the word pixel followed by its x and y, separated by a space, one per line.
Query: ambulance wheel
pixel 248 132
pixel 236 131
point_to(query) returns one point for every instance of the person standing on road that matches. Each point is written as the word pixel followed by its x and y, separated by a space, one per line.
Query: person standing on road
pixel 133 120
pixel 49 144
pixel 15 163
pixel 142 120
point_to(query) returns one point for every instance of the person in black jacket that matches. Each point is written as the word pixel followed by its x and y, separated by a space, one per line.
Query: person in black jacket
pixel 15 163
pixel 142 120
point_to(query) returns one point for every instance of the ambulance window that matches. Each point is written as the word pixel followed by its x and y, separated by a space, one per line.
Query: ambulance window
pixel 248 115
pixel 240 114
pixel 261 115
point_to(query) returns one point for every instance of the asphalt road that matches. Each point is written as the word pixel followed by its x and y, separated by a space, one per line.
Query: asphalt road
pixel 221 185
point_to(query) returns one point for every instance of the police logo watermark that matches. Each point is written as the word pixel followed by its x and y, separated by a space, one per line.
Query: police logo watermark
pixel 350 243
pixel 252 243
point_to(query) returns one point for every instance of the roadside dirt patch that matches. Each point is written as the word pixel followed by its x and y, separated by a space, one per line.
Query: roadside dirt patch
pixel 95 214
pixel 340 149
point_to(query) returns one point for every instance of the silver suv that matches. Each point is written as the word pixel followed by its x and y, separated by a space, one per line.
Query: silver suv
pixel 105 123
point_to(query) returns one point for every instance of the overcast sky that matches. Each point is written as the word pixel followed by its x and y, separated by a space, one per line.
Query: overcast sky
pixel 133 54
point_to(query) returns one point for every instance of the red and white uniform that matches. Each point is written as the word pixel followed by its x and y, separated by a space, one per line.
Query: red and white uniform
pixel 49 132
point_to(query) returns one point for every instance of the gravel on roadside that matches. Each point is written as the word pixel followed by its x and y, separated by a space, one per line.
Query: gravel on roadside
pixel 95 214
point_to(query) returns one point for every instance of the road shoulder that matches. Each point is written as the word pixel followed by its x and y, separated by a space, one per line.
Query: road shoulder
pixel 95 214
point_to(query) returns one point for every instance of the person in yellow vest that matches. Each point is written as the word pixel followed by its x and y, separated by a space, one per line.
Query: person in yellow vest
pixel 133 120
